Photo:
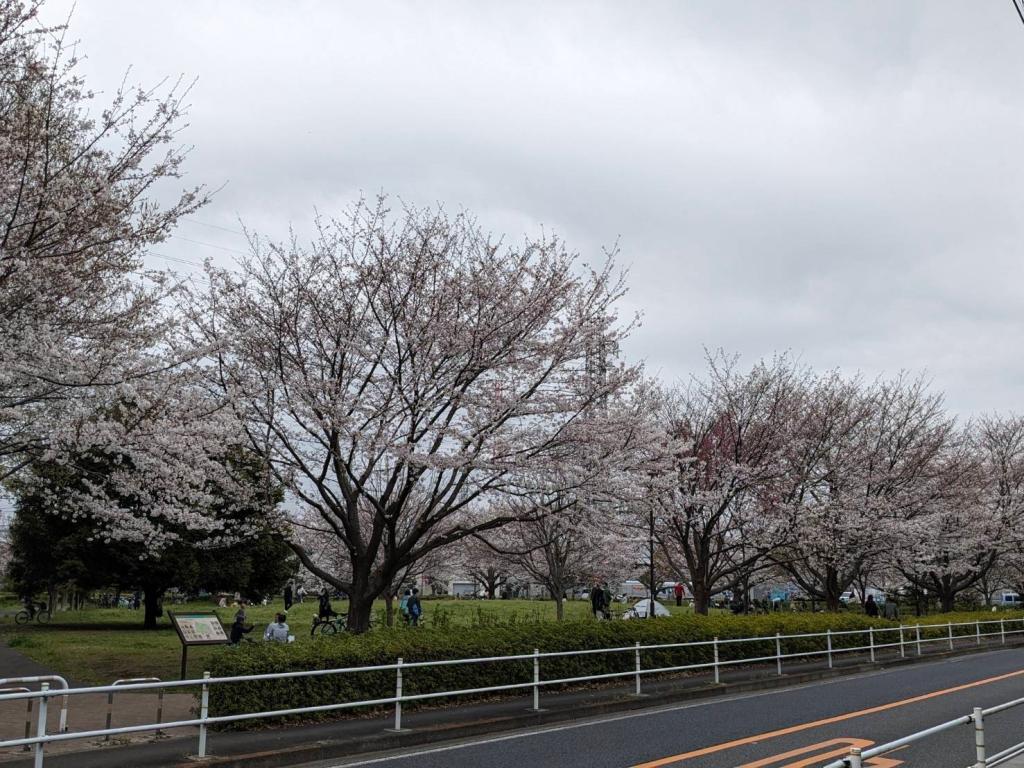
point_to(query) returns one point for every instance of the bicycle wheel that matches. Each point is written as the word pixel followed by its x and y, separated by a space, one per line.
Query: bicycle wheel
pixel 328 628
pixel 22 617
pixel 43 617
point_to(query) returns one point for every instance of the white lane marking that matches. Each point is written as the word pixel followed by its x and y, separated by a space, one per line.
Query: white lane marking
pixel 600 720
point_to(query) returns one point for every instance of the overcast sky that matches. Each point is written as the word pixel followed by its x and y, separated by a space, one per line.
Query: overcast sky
pixel 840 180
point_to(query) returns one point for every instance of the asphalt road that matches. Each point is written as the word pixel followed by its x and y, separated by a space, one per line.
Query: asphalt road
pixel 798 727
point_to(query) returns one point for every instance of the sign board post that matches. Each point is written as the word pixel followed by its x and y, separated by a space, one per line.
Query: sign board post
pixel 197 629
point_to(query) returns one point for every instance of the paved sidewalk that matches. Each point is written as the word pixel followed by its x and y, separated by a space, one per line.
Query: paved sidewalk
pixel 87 712
pixel 306 743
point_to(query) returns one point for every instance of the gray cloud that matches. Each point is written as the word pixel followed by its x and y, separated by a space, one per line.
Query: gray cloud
pixel 836 179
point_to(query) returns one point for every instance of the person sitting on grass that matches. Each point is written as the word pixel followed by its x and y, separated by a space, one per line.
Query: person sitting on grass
pixel 239 629
pixel 278 631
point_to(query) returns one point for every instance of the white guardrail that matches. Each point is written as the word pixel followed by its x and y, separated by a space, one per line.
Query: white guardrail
pixel 904 637
pixel 857 756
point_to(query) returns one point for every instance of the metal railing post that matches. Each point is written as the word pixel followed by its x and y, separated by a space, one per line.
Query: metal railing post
pixel 110 713
pixel 159 711
pixel 536 680
pixel 28 725
pixel 977 631
pixel 1002 631
pixel 979 738
pixel 917 630
pixel 204 712
pixel 717 678
pixel 828 645
pixel 949 626
pixel 637 671
pixel 41 725
pixel 854 758
pixel 903 648
pixel 871 643
pixel 398 695
pixel 778 653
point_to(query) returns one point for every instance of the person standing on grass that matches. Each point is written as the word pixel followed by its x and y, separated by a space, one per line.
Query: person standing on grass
pixel 403 606
pixel 597 602
pixel 278 631
pixel 871 607
pixel 606 601
pixel 288 597
pixel 890 609
pixel 415 609
pixel 679 594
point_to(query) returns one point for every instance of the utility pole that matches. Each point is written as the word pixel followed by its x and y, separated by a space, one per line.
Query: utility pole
pixel 650 559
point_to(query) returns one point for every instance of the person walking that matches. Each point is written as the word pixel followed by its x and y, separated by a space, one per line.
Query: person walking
pixel 679 594
pixel 871 607
pixel 415 609
pixel 597 601
pixel 890 609
pixel 606 601
pixel 278 631
pixel 403 606
pixel 288 595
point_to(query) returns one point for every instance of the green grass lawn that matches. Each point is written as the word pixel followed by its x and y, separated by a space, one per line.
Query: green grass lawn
pixel 100 645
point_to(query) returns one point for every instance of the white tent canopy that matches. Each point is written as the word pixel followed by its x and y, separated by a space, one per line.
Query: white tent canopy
pixel 639 611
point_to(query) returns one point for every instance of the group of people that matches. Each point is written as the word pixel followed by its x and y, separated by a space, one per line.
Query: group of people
pixel 890 610
pixel 601 601
pixel 276 632
pixel 409 607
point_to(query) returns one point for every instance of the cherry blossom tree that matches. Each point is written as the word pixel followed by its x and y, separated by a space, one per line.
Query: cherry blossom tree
pixel 951 545
pixel 82 326
pixel 403 372
pixel 735 429
pixel 876 462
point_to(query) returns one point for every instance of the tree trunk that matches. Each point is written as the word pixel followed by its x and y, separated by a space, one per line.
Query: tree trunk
pixel 151 601
pixel 389 609
pixel 832 592
pixel 559 607
pixel 360 610
pixel 701 597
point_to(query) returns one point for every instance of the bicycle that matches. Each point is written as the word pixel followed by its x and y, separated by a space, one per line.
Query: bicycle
pixel 26 615
pixel 332 626
pixel 329 626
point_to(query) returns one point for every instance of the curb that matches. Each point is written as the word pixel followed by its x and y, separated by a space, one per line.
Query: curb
pixel 390 740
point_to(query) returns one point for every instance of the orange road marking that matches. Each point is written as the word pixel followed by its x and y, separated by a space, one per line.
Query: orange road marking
pixel 825 721
pixel 844 749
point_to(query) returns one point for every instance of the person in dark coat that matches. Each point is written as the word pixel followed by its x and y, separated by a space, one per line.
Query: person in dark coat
pixel 597 601
pixel 414 608
pixel 871 607
pixel 288 597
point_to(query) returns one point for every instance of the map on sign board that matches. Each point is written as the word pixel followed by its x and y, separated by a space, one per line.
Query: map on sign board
pixel 199 628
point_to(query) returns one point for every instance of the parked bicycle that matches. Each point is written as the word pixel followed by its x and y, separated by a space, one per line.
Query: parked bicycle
pixel 332 626
pixel 37 611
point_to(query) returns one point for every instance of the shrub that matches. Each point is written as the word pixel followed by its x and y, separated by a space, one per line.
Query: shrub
pixel 436 643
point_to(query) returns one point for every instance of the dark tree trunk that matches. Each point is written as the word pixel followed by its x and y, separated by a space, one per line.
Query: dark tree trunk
pixel 360 610
pixel 701 597
pixel 832 592
pixel 389 609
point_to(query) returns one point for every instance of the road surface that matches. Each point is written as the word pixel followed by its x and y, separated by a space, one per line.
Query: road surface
pixel 798 727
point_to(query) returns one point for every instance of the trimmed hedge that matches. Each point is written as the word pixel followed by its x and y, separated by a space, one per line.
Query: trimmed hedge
pixel 385 646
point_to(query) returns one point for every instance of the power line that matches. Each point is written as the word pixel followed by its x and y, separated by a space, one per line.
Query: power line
pixel 210 245
pixel 213 226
